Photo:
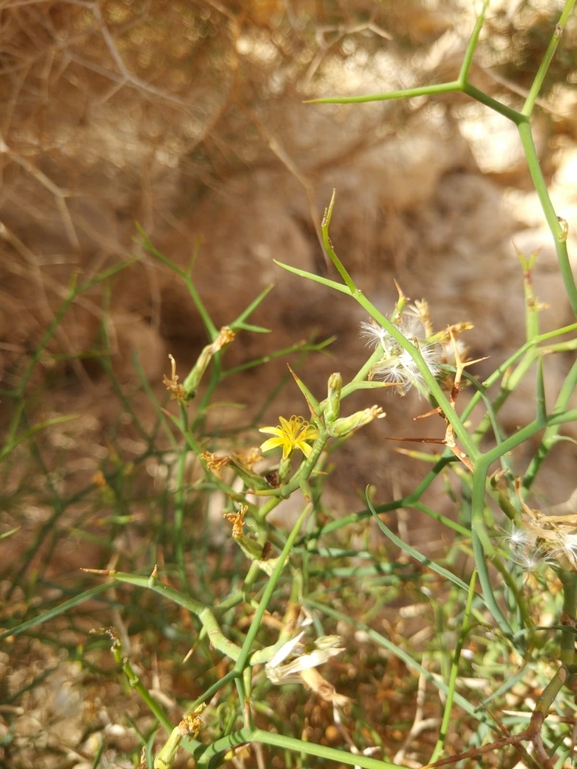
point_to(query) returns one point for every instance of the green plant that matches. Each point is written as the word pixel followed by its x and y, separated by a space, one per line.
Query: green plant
pixel 284 583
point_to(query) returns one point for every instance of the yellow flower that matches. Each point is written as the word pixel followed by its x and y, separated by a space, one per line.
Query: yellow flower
pixel 290 434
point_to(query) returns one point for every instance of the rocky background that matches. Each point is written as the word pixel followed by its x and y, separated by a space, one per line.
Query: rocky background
pixel 188 119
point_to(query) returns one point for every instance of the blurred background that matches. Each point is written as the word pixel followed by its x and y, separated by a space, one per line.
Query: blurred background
pixel 188 119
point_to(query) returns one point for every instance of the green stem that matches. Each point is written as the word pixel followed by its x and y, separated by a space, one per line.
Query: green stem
pixel 204 614
pixel 349 282
pixel 447 710
pixel 496 106
pixel 522 435
pixel 72 603
pixel 206 319
pixel 479 548
pixel 430 381
pixel 547 59
pixel 502 370
pixel 437 683
pixel 255 626
pixel 424 90
pixel 551 434
pixel 470 52
pixel 409 501
pixel 519 599
pixel 136 684
pixel 178 527
pixel 482 544
pixel 74 292
pixel 208 755
pixel 557 231
pixel 568 656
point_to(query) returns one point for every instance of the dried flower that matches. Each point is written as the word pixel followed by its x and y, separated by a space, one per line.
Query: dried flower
pixel 215 462
pixel 290 435
pixel 518 538
pixel 555 534
pixel 550 539
pixel 176 390
pixel 190 726
pixel 397 366
pixel 529 554
pixel 260 554
pixel 325 690
pixel 301 664
pixel 192 381
pixel 566 549
pixel 237 520
pixel 247 457
pixel 98 479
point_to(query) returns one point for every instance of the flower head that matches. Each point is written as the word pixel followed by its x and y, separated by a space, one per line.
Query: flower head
pixel 519 538
pixel 397 365
pixel 237 520
pixel 296 663
pixel 527 550
pixel 290 435
pixel 215 462
pixel 543 539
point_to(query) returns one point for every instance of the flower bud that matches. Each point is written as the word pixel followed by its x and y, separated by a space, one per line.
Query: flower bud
pixel 254 552
pixel 333 404
pixel 342 427
pixel 192 381
pixel 284 468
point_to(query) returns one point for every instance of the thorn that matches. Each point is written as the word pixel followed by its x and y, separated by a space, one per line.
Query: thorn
pixel 416 440
pixel 154 576
pixel 462 456
pixel 400 291
pixel 429 414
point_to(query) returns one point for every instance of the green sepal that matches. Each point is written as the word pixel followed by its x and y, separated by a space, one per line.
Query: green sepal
pixel 313 404
pixel 253 550
pixel 333 402
pixel 342 427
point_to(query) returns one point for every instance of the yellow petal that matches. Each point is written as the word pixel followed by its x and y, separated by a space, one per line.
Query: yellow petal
pixel 271 431
pixel 272 443
pixel 304 447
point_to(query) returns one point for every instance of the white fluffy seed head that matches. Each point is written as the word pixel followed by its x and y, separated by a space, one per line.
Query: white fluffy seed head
pixel 397 365
pixel 372 333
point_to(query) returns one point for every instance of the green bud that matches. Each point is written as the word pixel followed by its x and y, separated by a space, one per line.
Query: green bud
pixel 166 756
pixel 250 547
pixel 342 427
pixel 192 381
pixel 252 480
pixel 284 468
pixel 254 551
pixel 190 726
pixel 333 404
pixel 329 642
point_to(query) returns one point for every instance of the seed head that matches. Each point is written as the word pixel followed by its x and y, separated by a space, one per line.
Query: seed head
pixel 397 365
